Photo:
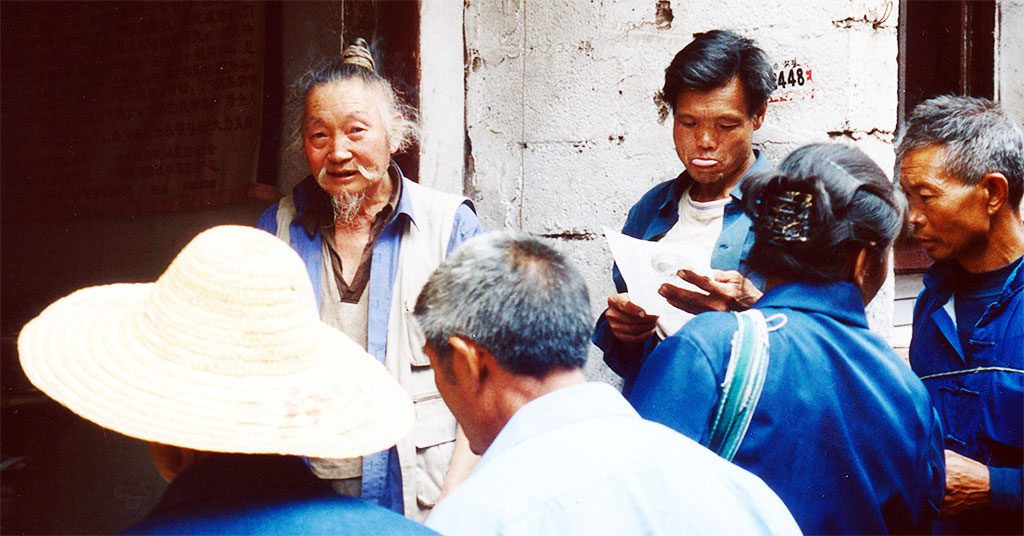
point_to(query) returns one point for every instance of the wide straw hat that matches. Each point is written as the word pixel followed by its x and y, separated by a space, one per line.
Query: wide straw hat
pixel 224 353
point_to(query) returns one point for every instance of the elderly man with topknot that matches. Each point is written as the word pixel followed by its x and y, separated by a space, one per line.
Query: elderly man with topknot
pixel 370 237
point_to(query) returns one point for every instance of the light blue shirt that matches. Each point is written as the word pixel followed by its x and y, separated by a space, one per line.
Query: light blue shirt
pixel 580 460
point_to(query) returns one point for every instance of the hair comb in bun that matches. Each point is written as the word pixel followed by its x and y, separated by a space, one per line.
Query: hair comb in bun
pixel 785 217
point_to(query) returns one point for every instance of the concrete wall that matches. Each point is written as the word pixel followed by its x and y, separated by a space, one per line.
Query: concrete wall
pixel 442 96
pixel 562 126
pixel 1010 65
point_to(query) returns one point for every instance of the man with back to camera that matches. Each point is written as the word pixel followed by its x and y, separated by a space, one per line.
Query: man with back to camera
pixel 506 322
pixel 717 88
pixel 961 164
pixel 223 368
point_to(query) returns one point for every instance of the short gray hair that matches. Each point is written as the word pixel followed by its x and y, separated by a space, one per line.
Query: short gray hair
pixel 978 138
pixel 514 295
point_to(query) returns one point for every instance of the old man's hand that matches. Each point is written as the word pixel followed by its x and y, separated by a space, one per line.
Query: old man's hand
pixel 726 291
pixel 967 485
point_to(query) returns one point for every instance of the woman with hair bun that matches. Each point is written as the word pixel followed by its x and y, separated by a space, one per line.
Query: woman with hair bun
pixel 370 237
pixel 798 390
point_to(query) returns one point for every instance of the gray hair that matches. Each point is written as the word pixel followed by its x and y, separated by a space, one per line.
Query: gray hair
pixel 853 205
pixel 355 62
pixel 514 295
pixel 978 138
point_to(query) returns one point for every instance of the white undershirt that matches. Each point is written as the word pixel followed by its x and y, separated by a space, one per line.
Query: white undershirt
pixel 695 234
pixel 698 228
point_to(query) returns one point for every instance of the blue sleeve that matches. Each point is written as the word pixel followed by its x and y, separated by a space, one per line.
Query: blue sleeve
pixel 623 358
pixel 1006 483
pixel 934 460
pixel 677 387
pixel 466 226
pixel 268 220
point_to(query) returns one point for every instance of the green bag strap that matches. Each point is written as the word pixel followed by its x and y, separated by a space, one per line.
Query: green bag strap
pixel 744 381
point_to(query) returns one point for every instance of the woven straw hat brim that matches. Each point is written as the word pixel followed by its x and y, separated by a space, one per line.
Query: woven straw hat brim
pixel 85 352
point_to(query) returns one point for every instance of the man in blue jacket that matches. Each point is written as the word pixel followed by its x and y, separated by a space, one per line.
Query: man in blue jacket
pixel 717 88
pixel 961 164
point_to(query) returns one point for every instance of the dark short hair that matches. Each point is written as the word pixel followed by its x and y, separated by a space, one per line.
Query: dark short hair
pixel 978 138
pixel 852 206
pixel 714 58
pixel 514 295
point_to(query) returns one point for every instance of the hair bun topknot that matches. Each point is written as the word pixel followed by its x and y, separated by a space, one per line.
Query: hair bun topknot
pixel 358 53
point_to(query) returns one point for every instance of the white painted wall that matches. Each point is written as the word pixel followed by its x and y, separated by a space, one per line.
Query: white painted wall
pixel 564 134
pixel 442 95
pixel 1011 57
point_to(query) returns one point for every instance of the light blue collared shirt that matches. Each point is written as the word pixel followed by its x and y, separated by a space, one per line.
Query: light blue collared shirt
pixel 580 460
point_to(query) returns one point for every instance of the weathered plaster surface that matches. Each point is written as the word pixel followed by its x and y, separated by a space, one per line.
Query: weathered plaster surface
pixel 442 103
pixel 1011 57
pixel 563 129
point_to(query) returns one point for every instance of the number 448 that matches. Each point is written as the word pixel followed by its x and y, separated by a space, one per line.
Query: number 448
pixel 795 77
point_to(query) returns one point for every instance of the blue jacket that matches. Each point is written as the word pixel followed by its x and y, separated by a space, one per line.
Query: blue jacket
pixel 843 433
pixel 978 391
pixel 649 219
pixel 263 494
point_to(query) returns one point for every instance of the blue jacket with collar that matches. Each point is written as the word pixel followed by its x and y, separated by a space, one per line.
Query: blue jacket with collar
pixel 649 219
pixel 979 390
pixel 843 431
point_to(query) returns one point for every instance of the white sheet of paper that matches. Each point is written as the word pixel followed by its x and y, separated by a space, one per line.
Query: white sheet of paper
pixel 645 266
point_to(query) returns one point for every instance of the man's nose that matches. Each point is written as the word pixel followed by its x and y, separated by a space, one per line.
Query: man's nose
pixel 914 217
pixel 339 149
pixel 706 138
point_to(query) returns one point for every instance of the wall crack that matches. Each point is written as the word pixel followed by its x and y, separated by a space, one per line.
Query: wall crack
pixel 571 234
pixel 856 134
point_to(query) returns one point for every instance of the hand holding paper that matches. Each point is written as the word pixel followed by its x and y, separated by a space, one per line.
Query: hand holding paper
pixel 628 321
pixel 720 291
pixel 645 266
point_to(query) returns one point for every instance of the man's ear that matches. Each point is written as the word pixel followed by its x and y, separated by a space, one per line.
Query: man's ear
pixel 468 360
pixel 392 143
pixel 170 460
pixel 997 188
pixel 758 117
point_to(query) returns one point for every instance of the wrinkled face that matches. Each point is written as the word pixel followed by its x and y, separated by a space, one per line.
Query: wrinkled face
pixel 949 218
pixel 344 136
pixel 712 132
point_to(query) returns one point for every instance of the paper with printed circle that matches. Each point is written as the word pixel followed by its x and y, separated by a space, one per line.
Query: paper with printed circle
pixel 645 266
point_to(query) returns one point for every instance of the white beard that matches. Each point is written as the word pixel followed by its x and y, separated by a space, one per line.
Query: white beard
pixel 347 206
